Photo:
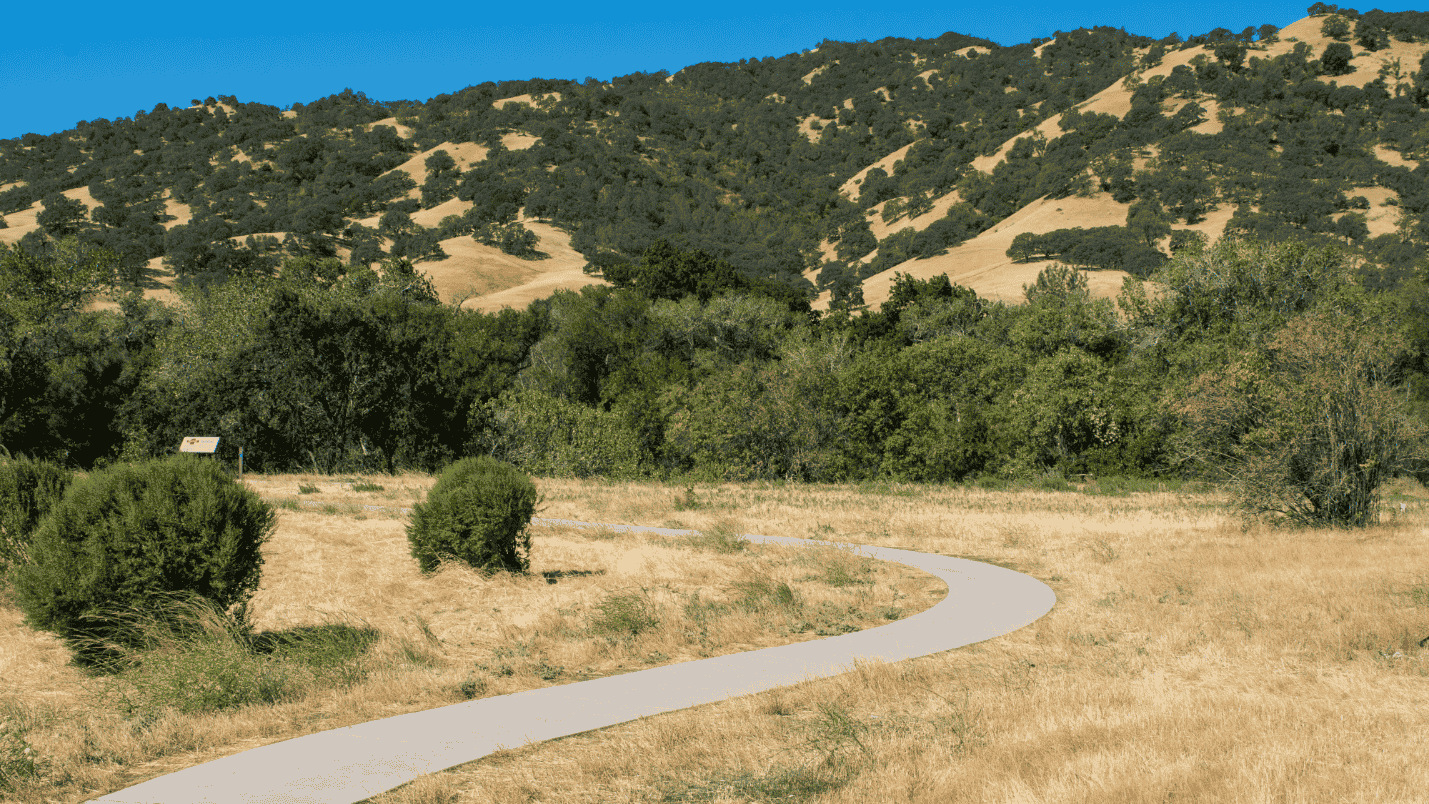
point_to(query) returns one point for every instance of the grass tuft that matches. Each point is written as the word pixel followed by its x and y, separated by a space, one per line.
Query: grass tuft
pixel 622 615
pixel 722 537
pixel 18 761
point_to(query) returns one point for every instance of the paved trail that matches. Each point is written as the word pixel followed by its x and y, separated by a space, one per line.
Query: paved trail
pixel 346 765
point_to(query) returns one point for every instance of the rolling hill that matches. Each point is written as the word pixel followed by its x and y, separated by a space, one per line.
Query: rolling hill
pixel 831 170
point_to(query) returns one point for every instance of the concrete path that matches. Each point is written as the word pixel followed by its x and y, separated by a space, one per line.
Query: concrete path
pixel 346 765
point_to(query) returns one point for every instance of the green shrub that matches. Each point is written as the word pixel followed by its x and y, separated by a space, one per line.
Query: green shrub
pixel 478 513
pixel 28 489
pixel 623 615
pixel 132 534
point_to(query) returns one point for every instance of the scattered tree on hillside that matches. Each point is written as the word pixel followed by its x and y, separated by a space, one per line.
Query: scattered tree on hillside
pixel 1336 27
pixel 1231 54
pixel 512 238
pixel 1336 58
pixel 442 179
pixel 62 216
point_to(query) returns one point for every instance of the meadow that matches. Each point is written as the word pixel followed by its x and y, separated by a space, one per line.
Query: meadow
pixel 1188 657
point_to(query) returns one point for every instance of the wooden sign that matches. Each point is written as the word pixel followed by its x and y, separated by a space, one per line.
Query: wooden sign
pixel 199 444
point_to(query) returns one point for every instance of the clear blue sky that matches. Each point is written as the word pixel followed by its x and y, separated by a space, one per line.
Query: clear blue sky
pixel 65 62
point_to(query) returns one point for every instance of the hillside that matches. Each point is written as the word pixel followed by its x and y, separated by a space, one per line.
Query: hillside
pixel 830 170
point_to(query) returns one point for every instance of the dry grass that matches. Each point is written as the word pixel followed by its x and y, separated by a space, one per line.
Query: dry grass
pixel 981 263
pixel 1186 658
pixel 346 630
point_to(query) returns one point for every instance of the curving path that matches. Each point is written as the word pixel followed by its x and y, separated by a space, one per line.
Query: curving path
pixel 349 764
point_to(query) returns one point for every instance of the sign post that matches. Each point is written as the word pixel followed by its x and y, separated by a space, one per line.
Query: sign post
pixel 202 444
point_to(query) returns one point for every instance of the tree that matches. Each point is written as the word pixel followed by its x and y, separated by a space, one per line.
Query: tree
pixel 1307 427
pixel 442 179
pixel 1231 54
pixel 512 238
pixel 1187 239
pixel 395 222
pixel 1336 58
pixel 62 216
pixel 1336 28
pixel 52 283
pixel 1251 286
pixel 1149 221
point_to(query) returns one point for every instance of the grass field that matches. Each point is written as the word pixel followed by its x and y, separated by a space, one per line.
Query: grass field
pixel 1187 658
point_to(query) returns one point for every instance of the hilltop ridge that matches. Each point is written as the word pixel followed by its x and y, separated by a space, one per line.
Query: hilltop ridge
pixel 832 170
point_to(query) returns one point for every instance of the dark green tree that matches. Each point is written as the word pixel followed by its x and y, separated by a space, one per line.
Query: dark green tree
pixel 1336 27
pixel 62 216
pixel 1336 58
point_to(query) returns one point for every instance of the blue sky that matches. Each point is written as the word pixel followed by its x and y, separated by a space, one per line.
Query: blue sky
pixel 62 63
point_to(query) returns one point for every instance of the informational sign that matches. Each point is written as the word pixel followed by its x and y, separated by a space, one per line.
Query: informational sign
pixel 199 444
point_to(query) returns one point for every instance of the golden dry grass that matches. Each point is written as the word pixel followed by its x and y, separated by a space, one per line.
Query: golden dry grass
pixel 464 154
pixel 26 220
pixel 402 131
pixel 851 187
pixel 182 212
pixel 982 264
pixel 1186 658
pixel 528 99
pixel 1365 65
pixel 442 638
pixel 1392 157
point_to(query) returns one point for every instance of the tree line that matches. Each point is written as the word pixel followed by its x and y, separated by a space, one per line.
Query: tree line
pixel 686 367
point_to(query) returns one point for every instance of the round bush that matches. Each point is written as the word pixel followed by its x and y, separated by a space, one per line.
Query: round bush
pixel 128 536
pixel 477 513
pixel 28 489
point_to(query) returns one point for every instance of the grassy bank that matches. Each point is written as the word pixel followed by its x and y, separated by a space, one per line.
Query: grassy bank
pixel 1187 658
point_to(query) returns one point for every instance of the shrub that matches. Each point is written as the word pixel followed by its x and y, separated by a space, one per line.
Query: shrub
pixel 478 513
pixel 28 489
pixel 1308 426
pixel 548 435
pixel 622 615
pixel 132 534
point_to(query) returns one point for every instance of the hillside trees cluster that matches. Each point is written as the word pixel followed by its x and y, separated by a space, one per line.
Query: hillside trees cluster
pixel 713 158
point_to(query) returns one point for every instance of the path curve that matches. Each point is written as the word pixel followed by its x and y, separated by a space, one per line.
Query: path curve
pixel 350 764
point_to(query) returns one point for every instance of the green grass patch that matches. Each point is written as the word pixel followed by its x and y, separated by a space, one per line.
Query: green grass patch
pixel 722 538
pixel 622 615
